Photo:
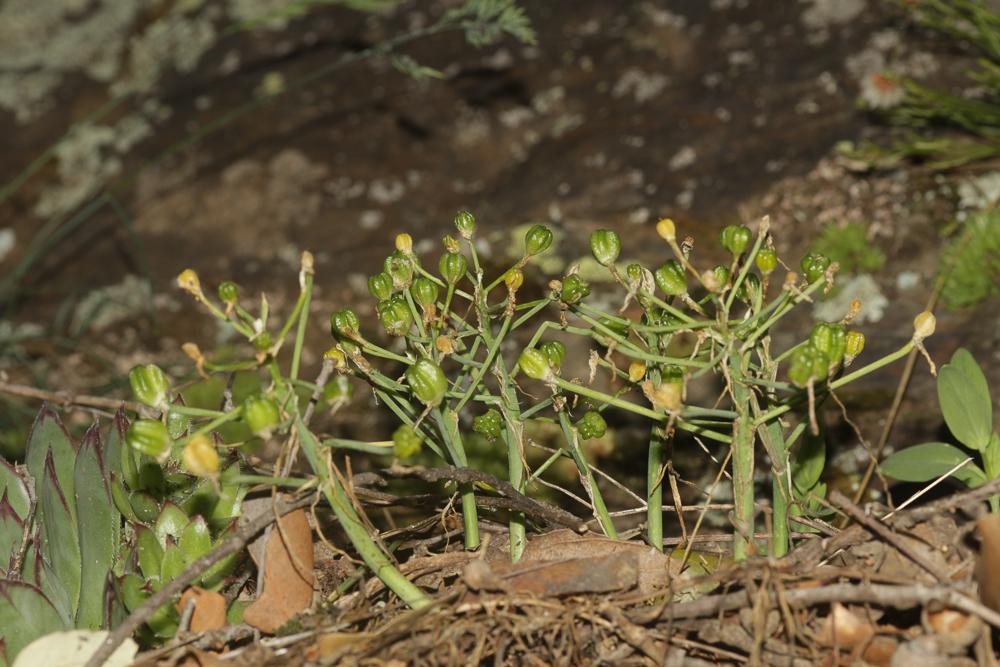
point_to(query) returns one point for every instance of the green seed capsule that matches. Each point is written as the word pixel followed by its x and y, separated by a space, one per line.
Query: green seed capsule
pixel 261 414
pixel 452 267
pixel 395 316
pixel 150 385
pixel 735 238
pixel 766 260
pixel 344 324
pixel 488 424
pixel 228 292
pixel 406 442
pixel 427 381
pixel 535 364
pixel 814 266
pixel 606 246
pixel 465 223
pixel 807 364
pixel 634 272
pixel 574 289
pixel 854 344
pixel 537 240
pixel 555 352
pixel 400 269
pixel 150 437
pixel 721 275
pixel 424 291
pixel 591 425
pixel 671 278
pixel 380 286
pixel 262 343
pixel 831 340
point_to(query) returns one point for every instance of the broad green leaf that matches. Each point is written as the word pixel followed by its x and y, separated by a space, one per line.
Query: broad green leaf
pixel 195 541
pixel 133 591
pixel 173 563
pixel 38 572
pixel 809 461
pixel 17 493
pixel 215 575
pixel 61 544
pixel 200 498
pixel 49 435
pixel 171 522
pixel 922 463
pixel 25 615
pixel 98 526
pixel 148 551
pixel 965 400
pixel 144 506
pixel 11 533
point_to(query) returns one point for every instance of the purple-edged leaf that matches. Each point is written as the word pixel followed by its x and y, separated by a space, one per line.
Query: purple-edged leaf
pixel 49 435
pixel 25 615
pixel 38 571
pixel 61 544
pixel 114 445
pixel 11 533
pixel 13 485
pixel 98 524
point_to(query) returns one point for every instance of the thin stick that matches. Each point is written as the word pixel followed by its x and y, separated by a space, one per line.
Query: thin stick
pixel 67 398
pixel 146 610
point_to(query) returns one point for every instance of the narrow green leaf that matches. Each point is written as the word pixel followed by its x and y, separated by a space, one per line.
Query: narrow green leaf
pixel 114 444
pixel 98 526
pixel 25 615
pixel 17 493
pixel 965 400
pixel 61 544
pixel 49 435
pixel 922 463
pixel 808 462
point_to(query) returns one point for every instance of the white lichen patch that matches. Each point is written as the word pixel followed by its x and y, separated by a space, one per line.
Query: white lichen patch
pixel 8 241
pixel 685 157
pixel 862 287
pixel 110 305
pixel 822 14
pixel 978 193
pixel 643 86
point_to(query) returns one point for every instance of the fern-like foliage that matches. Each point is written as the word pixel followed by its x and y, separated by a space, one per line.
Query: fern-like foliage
pixel 973 261
pixel 486 21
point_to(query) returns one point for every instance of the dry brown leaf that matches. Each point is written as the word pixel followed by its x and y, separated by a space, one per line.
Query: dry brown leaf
pixel 843 628
pixel 209 609
pixel 288 575
pixel 198 658
pixel 988 565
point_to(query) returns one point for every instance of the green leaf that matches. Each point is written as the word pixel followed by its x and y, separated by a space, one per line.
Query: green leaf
pixel 49 435
pixel 133 591
pixel 171 522
pixel 38 572
pixel 114 445
pixel 25 615
pixel 61 544
pixel 11 533
pixel 173 563
pixel 195 541
pixel 965 400
pixel 809 461
pixel 17 493
pixel 144 506
pixel 98 525
pixel 922 463
pixel 148 552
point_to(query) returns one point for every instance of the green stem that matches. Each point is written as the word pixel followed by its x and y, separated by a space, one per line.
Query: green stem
pixel 491 351
pixel 654 489
pixel 512 435
pixel 743 460
pixel 355 529
pixel 600 509
pixel 448 423
pixel 300 334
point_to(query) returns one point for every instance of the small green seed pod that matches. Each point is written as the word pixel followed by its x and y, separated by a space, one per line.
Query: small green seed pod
pixel 427 381
pixel 228 292
pixel 344 323
pixel 537 240
pixel 831 340
pixel 395 316
pixel 488 424
pixel 424 291
pixel 261 415
pixel 452 267
pixel 399 268
pixel 150 385
pixel 380 286
pixel 735 238
pixel 535 364
pixel 766 260
pixel 671 278
pixel 634 272
pixel 854 344
pixel 555 352
pixel 814 266
pixel 465 223
pixel 591 425
pixel 149 437
pixel 605 246
pixel 406 442
pixel 807 364
pixel 574 289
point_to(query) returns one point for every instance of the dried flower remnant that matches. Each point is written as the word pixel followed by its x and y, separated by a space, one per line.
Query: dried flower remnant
pixel 881 92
